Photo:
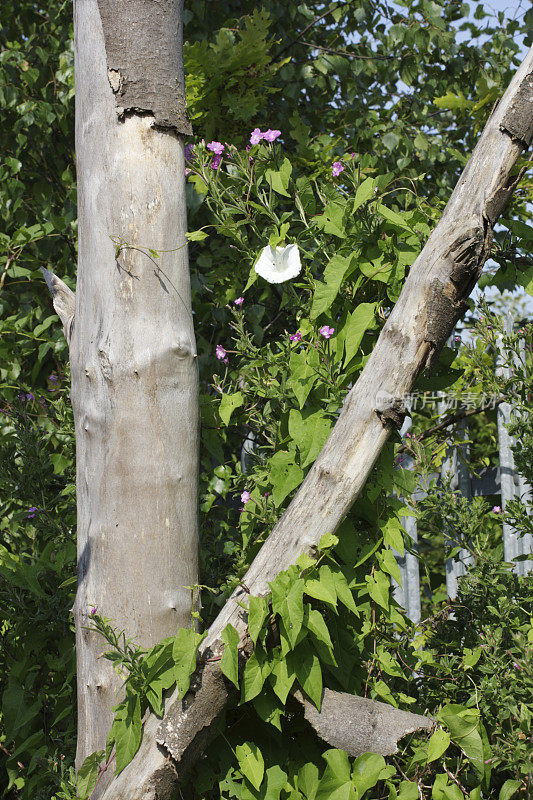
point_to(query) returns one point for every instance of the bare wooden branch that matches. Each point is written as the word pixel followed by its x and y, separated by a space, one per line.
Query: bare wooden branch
pixel 64 301
pixel 432 300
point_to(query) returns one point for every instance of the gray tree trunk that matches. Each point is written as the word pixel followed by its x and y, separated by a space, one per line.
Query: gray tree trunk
pixel 433 299
pixel 132 346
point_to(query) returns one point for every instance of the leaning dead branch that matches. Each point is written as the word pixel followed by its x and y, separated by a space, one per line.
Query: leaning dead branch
pixel 433 299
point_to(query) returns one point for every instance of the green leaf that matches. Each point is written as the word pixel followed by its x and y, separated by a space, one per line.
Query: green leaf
pixel 229 663
pixel 184 652
pixel 471 657
pixel 288 603
pixel 309 672
pixel 389 564
pixel 379 588
pixel 193 236
pixel 464 726
pixel 303 368
pixel 251 762
pixel 408 790
pixel 391 141
pixel 285 475
pixel 367 771
pixel 127 731
pixel 452 101
pixel 257 613
pixel 88 775
pixel 256 671
pixel 364 192
pixel 309 431
pixel 228 404
pixel 279 179
pixel 59 462
pixel 315 622
pixel 324 588
pixel 356 326
pixel 437 745
pixel 394 217
pixel 308 780
pixel 509 788
pixel 331 220
pixel 326 292
pixel 282 678
pixel 268 707
pixel 393 532
pixel 336 782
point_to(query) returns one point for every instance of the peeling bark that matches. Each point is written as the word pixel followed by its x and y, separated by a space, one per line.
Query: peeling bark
pixel 144 52
pixel 421 320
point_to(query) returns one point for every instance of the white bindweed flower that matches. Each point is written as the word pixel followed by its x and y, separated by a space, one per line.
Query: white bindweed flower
pixel 279 264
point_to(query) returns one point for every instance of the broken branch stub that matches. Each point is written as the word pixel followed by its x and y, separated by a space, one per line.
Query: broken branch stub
pixel 432 299
pixel 64 301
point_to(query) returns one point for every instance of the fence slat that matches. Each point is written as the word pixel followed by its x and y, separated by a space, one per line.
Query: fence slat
pixel 454 470
pixel 513 545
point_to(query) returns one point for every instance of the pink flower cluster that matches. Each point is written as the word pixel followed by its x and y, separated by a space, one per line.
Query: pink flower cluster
pixel 337 168
pixel 296 337
pixel 269 135
pixel 217 148
pixel 221 354
pixel 326 331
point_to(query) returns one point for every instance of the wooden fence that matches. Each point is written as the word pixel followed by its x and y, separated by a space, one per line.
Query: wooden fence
pixel 502 481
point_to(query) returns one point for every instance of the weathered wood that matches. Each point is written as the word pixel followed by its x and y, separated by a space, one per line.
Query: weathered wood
pixel 359 725
pixel 433 298
pixel 134 370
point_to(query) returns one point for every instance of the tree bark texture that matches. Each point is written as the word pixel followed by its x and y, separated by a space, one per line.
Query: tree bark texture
pixel 432 300
pixel 133 359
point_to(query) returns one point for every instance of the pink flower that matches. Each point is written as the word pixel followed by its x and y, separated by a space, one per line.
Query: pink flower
pixel 271 135
pixel 221 353
pixel 187 171
pixel 296 337
pixel 215 162
pixel 239 301
pixel 216 147
pixel 326 331
pixel 457 339
pixel 245 496
pixel 93 611
pixel 352 155
pixel 496 510
pixel 256 136
pixel 337 168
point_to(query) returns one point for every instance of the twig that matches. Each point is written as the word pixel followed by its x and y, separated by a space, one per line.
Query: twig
pixel 302 33
pixel 453 418
pixel 347 53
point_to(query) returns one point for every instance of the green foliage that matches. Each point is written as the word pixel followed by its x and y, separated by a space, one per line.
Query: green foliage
pixel 37 577
pixel 233 73
pixel 147 673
